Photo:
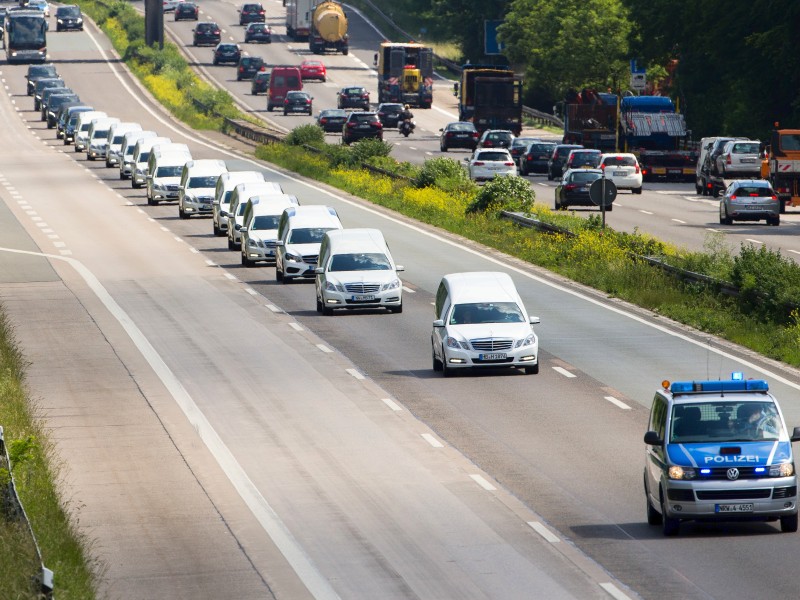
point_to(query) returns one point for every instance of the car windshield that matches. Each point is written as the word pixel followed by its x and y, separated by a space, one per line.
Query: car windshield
pixel 42 71
pixel 486 312
pixel 362 261
pixel 143 156
pixel 619 161
pixel 68 11
pixel 169 171
pixel 746 148
pixel 118 139
pixel 584 177
pixel 756 191
pixel 203 181
pixel 724 422
pixel 308 235
pixel 501 156
pixel 100 133
pixel 263 222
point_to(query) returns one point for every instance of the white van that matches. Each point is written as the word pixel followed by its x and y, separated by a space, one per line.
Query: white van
pixel 164 170
pixel 259 230
pixel 98 137
pixel 300 233
pixel 126 150
pixel 241 193
pixel 82 128
pixel 196 189
pixel 222 196
pixel 141 156
pixel 116 133
pixel 356 270
pixel 481 322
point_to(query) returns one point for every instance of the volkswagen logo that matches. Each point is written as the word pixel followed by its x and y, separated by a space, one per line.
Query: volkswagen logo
pixel 733 474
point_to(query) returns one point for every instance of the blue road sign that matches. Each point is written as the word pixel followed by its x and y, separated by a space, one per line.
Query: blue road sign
pixel 491 44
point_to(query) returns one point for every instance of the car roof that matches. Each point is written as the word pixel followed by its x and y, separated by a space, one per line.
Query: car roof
pixel 358 239
pixel 312 215
pixel 571 171
pixel 481 286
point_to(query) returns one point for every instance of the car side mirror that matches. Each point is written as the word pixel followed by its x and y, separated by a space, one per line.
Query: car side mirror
pixel 279 243
pixel 319 271
pixel 438 323
pixel 796 434
pixel 651 438
pixel 534 320
pixel 399 268
pixel 223 213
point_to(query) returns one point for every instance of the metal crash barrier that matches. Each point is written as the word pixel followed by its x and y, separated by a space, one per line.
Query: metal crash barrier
pixel 13 512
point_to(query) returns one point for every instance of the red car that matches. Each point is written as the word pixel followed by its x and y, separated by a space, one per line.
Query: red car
pixel 313 69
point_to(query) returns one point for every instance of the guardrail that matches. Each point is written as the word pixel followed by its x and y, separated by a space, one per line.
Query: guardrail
pixel 13 511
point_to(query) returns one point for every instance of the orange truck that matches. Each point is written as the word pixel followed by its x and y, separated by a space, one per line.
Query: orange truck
pixel 782 166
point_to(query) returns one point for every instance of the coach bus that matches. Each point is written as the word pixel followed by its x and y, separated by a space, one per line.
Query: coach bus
pixel 25 36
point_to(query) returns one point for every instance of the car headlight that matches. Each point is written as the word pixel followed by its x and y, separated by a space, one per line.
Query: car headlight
pixel 159 186
pixel 79 20
pixel 60 21
pixel 676 472
pixel 456 344
pixel 392 285
pixel 294 257
pixel 782 470
pixel 528 341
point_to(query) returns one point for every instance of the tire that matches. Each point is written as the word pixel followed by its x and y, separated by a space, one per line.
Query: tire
pixel 269 107
pixel 774 221
pixel 89 157
pixel 231 245
pixel 442 148
pixel 319 305
pixel 724 220
pixel 556 205
pixel 550 175
pixel 609 208
pixel 789 524
pixel 108 165
pixel 285 113
pixel 783 207
pixel 437 364
pixel 135 186
pixel 653 516
pixel 150 202
pixel 182 214
pixel 217 231
pixel 246 262
pixel 279 274
pixel 327 312
pixel 698 189
pixel 534 370
pixel 669 525
pixel 396 309
pixel 446 371
pixel 637 190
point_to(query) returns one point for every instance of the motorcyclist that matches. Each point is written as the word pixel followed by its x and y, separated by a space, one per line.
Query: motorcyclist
pixel 406 116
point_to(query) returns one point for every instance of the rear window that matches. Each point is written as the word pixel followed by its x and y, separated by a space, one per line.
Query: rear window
pixel 583 177
pixel 462 127
pixel 541 148
pixel 493 156
pixel 619 161
pixel 564 151
pixel 367 261
pixel 759 191
pixel 746 148
pixel 365 118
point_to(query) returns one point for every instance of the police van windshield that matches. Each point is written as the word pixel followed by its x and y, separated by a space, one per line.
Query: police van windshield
pixel 725 422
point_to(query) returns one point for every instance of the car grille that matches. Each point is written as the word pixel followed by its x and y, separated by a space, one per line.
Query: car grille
pixel 744 473
pixel 205 199
pixel 362 288
pixel 733 494
pixel 785 492
pixel 311 259
pixel 270 243
pixel 491 344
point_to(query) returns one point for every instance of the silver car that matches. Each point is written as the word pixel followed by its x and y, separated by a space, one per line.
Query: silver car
pixel 750 200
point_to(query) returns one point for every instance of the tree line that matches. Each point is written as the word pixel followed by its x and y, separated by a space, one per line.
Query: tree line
pixel 733 67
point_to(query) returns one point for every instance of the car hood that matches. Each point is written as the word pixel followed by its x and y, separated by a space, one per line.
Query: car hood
pixel 263 234
pixel 751 454
pixel 303 249
pixel 490 330
pixel 361 276
pixel 167 180
pixel 200 191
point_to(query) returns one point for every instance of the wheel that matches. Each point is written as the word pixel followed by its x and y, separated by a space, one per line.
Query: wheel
pixel 231 244
pixel 345 52
pixel 216 62
pixel 724 219
pixel 550 175
pixel 279 274
pixel 182 214
pixel 437 364
pixel 150 202
pixel 609 208
pixel 246 262
pixel 135 185
pixel 122 175
pixel 783 206
pixel 269 107
pixel 108 165
pixel 669 525
pixel 698 189
pixel 285 113
pixel 396 309
pixel 217 231
pixel 319 305
pixel 774 221
pixel 446 371
pixel 557 204
pixel 328 312
pixel 442 147
pixel 653 516
pixel 789 524
pixel 534 370
pixel 89 157
pixel 637 190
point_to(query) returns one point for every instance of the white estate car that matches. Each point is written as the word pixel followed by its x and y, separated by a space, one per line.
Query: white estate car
pixel 480 322
pixel 490 163
pixel 623 169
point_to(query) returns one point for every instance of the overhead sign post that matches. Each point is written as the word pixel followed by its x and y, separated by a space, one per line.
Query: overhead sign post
pixel 491 46
pixel 638 76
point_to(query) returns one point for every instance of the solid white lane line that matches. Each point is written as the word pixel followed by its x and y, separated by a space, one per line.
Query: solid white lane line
pixel 646 212
pixel 564 372
pixel 544 532
pixel 391 404
pixel 753 241
pixel 231 277
pixel 793 251
pixel 614 591
pixel 679 221
pixel 618 403
pixel 273 308
pixel 211 263
pixel 432 440
pixel 251 291
pixel 483 483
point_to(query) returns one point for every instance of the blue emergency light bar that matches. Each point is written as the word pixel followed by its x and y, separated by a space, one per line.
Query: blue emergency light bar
pixel 732 385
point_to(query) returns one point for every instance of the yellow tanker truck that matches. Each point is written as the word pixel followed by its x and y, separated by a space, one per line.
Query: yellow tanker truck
pixel 328 28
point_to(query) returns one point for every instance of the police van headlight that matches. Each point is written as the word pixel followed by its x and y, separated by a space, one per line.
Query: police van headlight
pixel 782 470
pixel 676 472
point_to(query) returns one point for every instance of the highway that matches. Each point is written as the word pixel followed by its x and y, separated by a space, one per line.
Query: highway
pixel 199 404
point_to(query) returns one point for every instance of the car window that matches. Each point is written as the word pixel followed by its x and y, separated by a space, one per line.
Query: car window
pixel 492 156
pixel 169 171
pixel 753 190
pixel 460 127
pixel 265 222
pixel 722 421
pixel 790 141
pixel 583 177
pixel 204 181
pixel 746 148
pixel 486 312
pixel 369 261
pixel 622 161
pixel 308 235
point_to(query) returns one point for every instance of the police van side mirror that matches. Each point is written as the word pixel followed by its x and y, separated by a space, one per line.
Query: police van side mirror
pixel 796 434
pixel 651 438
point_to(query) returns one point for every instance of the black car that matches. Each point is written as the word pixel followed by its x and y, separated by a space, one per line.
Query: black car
pixel 496 138
pixel 64 114
pixel 187 11
pixel 535 157
pixel 55 103
pixel 44 103
pixel 555 166
pixel 252 13
pixel 249 66
pixel 258 33
pixel 519 145
pixel 389 113
pixel 297 102
pixel 36 72
pixel 69 18
pixel 573 189
pixel 353 97
pixel 459 134
pixel 331 120
pixel 260 83
pixel 43 84
pixel 207 34
pixel 360 125
pixel 227 53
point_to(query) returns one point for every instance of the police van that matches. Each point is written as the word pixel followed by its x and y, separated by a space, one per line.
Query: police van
pixel 719 451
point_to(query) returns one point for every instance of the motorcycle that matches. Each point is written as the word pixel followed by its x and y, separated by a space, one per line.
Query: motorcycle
pixel 406 127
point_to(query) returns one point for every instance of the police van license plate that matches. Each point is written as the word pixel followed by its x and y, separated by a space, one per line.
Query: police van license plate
pixel 362 298
pixel 733 508
pixel 493 356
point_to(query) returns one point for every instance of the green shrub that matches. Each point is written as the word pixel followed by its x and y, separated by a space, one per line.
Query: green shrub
pixel 440 169
pixel 504 193
pixel 768 282
pixel 363 150
pixel 306 135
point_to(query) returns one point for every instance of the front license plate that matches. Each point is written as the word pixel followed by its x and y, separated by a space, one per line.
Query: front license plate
pixel 733 508
pixel 362 298
pixel 493 356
